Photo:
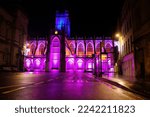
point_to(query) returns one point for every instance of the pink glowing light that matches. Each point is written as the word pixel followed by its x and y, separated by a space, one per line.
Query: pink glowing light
pixel 97 61
pixel 71 61
pixel 112 69
pixel 78 51
pixel 37 62
pixel 55 62
pixel 55 56
pixel 28 62
pixel 28 44
pixel 109 62
pixel 80 63
pixel 70 64
pixel 89 65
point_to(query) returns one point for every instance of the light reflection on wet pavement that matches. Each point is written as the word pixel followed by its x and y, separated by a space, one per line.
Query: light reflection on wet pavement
pixel 59 86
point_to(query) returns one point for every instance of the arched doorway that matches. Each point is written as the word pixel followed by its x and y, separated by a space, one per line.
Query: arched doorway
pixel 80 64
pixel 72 47
pixel 89 65
pixel 28 64
pixel 37 64
pixel 55 53
pixel 70 64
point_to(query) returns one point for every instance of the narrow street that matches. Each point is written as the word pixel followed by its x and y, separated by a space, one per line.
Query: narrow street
pixel 59 86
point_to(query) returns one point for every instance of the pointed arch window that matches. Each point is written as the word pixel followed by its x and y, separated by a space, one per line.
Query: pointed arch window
pixel 55 53
pixel 98 49
pixel 72 48
pixel 32 49
pixel 41 49
pixel 80 51
pixel 90 50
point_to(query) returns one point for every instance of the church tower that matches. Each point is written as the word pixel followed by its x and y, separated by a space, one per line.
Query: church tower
pixel 62 22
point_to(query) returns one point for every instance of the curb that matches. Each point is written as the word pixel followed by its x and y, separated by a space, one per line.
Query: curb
pixel 145 95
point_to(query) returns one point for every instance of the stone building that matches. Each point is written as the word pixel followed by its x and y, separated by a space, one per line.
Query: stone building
pixel 62 52
pixel 13 35
pixel 134 34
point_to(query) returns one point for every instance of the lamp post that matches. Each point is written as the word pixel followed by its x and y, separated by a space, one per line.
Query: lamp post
pixel 120 40
pixel 120 49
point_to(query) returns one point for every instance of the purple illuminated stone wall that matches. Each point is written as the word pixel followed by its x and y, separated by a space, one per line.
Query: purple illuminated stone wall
pixel 55 53
pixel 78 56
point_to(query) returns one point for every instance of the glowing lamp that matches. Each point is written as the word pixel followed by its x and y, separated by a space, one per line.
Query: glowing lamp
pixel 56 32
pixel 117 35
pixel 104 57
pixel 24 47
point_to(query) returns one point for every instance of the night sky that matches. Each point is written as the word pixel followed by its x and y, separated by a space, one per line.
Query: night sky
pixel 87 17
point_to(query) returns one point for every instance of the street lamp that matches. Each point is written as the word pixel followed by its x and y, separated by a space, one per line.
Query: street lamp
pixel 117 35
pixel 120 41
pixel 56 32
pixel 120 48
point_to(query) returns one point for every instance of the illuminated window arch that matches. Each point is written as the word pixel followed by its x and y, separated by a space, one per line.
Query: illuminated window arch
pixel 98 48
pixel 28 63
pixel 41 49
pixel 89 65
pixel 80 64
pixel 55 42
pixel 90 50
pixel 68 53
pixel 37 62
pixel 55 53
pixel 108 47
pixel 80 50
pixel 72 48
pixel 70 64
pixel 33 49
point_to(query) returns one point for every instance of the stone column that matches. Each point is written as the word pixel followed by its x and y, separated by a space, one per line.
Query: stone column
pixel 95 67
pixel 47 56
pixel 85 56
pixel 62 53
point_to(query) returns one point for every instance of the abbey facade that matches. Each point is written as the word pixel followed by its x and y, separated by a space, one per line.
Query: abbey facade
pixel 61 52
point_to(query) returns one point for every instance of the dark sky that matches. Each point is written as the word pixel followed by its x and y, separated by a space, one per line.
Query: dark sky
pixel 87 17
